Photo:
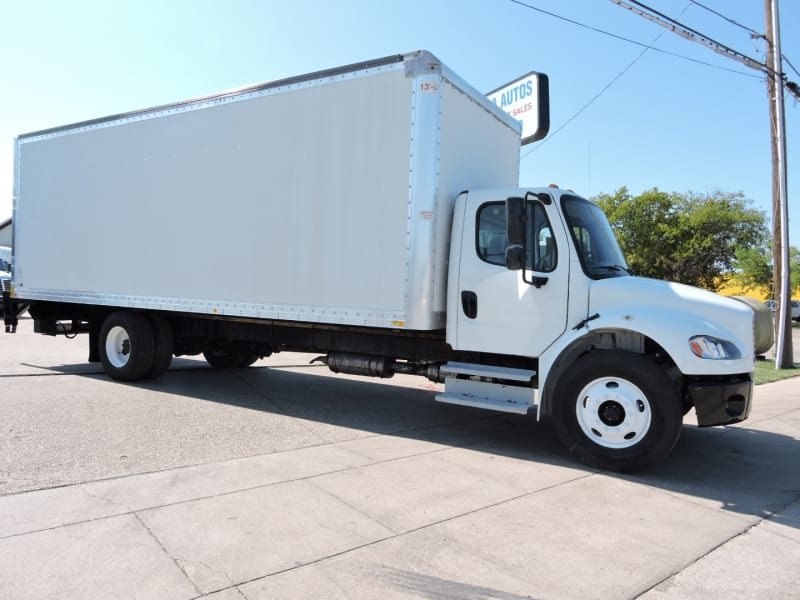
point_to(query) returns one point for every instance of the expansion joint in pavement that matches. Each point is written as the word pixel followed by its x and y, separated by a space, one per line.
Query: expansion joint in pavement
pixel 126 509
pixel 743 532
pixel 416 529
pixel 256 390
pixel 172 558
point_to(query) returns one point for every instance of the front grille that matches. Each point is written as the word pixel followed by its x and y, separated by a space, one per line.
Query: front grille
pixel 5 285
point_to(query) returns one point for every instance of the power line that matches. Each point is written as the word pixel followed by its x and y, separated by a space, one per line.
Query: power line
pixel 600 93
pixel 695 36
pixel 753 33
pixel 728 19
pixel 624 39
pixel 646 47
pixel 585 106
pixel 790 64
pixel 690 33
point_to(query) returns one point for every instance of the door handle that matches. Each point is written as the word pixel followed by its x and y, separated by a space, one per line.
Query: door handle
pixel 469 303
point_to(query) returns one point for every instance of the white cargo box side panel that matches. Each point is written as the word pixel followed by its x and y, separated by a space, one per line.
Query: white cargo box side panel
pixel 475 145
pixel 479 150
pixel 288 203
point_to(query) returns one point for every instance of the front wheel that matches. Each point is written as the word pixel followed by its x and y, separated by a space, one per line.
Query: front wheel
pixel 229 357
pixel 617 411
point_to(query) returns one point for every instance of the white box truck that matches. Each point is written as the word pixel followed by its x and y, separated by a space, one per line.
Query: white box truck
pixel 369 213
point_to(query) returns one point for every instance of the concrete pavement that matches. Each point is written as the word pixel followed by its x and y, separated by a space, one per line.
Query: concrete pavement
pixel 452 503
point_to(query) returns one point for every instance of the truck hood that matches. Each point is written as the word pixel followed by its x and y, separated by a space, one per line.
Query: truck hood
pixel 672 313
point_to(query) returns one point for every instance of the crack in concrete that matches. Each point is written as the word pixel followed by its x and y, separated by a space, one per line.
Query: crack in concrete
pixel 358 510
pixel 164 549
pixel 259 393
pixel 235 588
pixel 745 531
pixel 126 507
pixel 399 432
pixel 420 528
pixel 224 493
pixel 184 561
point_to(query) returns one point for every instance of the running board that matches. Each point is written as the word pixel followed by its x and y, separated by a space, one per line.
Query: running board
pixel 479 394
pixel 484 394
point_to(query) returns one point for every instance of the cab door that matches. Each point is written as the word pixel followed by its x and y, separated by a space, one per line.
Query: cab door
pixel 511 312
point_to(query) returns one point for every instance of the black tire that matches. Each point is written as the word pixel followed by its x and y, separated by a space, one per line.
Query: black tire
pixel 224 357
pixel 164 345
pixel 230 357
pixel 248 358
pixel 617 411
pixel 127 346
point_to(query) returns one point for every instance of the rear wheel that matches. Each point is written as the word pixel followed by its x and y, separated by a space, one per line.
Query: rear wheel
pixel 229 357
pixel 248 358
pixel 127 346
pixel 164 345
pixel 617 411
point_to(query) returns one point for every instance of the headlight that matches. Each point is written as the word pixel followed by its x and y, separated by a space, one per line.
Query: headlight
pixel 706 346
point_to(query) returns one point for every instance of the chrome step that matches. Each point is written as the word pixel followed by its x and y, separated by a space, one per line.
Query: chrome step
pixel 494 396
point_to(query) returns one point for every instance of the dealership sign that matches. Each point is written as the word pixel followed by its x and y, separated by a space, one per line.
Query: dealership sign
pixel 526 100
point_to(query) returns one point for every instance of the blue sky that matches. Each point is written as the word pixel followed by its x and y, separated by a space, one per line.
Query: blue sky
pixel 666 122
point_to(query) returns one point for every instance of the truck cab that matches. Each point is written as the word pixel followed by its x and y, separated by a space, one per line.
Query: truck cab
pixel 616 359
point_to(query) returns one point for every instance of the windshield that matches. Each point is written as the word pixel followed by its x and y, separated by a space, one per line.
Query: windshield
pixel 597 247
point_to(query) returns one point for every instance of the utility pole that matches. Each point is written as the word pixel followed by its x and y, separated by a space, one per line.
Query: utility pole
pixel 773 69
pixel 780 238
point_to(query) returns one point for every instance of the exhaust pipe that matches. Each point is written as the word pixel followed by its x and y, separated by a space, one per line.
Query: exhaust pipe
pixel 376 366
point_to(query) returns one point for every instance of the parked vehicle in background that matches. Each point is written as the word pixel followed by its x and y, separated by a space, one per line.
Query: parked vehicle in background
pixel 369 213
pixel 5 272
pixel 772 305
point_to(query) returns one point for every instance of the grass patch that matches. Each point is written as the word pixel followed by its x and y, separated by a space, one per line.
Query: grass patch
pixel 767 373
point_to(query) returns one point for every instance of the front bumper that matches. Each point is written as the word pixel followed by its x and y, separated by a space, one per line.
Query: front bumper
pixel 721 403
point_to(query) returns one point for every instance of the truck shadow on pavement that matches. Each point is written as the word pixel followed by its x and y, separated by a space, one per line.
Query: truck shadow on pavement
pixel 747 471
pixel 739 469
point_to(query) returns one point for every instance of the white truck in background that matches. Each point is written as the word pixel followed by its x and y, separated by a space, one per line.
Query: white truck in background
pixel 370 213
pixel 5 269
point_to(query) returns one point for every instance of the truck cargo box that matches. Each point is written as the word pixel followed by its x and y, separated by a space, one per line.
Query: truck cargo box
pixel 323 198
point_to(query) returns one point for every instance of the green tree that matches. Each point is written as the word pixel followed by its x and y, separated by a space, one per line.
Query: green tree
pixel 689 238
pixel 753 268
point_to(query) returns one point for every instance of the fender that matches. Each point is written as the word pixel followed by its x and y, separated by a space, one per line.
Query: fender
pixel 632 310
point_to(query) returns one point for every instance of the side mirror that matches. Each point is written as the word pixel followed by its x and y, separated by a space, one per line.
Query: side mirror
pixel 516 216
pixel 515 258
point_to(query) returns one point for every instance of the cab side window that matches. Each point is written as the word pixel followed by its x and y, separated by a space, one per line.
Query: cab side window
pixel 491 238
pixel 491 235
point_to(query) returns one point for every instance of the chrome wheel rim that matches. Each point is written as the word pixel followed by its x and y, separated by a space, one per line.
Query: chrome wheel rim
pixel 613 413
pixel 118 347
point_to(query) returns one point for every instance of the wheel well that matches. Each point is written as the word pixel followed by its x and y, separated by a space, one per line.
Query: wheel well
pixel 601 341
